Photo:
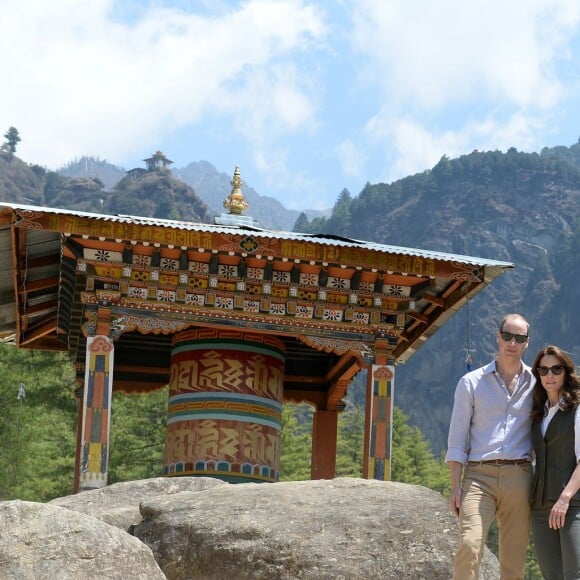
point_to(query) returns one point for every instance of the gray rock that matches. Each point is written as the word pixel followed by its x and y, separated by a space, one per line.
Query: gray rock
pixel 341 528
pixel 203 528
pixel 40 541
pixel 118 504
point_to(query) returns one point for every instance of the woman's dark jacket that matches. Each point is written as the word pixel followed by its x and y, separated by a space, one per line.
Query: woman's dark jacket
pixel 555 459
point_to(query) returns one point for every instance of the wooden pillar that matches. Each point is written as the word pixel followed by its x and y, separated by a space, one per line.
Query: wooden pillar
pixel 78 450
pixel 367 427
pixel 92 463
pixel 324 434
pixel 379 416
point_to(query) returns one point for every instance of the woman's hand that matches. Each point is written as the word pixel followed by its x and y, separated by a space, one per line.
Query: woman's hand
pixel 558 514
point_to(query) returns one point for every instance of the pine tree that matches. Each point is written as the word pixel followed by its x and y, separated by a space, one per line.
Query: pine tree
pixel 296 443
pixel 350 444
pixel 137 436
pixel 413 461
pixel 12 139
pixel 301 224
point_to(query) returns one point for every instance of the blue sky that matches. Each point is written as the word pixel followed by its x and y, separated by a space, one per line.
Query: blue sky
pixel 307 97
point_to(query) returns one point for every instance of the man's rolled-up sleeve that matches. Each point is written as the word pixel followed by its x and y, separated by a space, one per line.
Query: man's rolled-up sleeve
pixel 458 440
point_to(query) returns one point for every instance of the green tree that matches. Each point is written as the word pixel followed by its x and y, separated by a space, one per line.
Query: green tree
pixel 12 139
pixel 532 566
pixel 301 224
pixel 413 461
pixel 137 435
pixel 340 220
pixel 37 424
pixel 296 443
pixel 350 443
pixel 443 169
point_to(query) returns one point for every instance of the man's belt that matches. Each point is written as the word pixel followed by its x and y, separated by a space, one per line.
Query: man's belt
pixel 499 462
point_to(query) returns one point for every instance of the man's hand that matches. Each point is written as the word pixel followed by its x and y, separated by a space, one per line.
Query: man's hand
pixel 455 501
pixel 455 470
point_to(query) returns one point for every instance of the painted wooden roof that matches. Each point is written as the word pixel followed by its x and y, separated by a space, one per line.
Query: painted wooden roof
pixel 329 297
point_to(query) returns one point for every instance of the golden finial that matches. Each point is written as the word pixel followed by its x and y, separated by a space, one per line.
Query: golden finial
pixel 235 202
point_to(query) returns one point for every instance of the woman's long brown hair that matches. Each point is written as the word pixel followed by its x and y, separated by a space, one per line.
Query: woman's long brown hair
pixel 571 390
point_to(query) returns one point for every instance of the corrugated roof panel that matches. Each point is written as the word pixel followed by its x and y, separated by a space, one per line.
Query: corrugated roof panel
pixel 43 243
pixel 314 238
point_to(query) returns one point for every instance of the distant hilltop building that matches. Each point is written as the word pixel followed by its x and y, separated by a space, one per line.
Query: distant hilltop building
pixel 156 162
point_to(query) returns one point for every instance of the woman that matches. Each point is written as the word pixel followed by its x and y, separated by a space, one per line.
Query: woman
pixel 555 497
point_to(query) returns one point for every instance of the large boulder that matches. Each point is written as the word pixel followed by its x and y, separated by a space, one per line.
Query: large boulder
pixel 44 542
pixel 207 529
pixel 118 504
pixel 341 528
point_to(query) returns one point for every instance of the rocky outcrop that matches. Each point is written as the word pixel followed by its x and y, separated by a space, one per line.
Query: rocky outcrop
pixel 41 542
pixel 204 528
pixel 119 504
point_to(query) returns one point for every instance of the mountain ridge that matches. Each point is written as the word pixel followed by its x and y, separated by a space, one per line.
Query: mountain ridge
pixel 211 185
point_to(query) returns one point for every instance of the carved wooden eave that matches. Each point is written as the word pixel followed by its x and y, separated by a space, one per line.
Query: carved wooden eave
pixel 328 298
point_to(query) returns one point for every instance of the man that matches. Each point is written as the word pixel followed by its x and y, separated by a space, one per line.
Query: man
pixel 490 436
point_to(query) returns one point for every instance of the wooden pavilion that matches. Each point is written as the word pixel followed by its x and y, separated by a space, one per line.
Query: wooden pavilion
pixel 235 319
pixel 157 161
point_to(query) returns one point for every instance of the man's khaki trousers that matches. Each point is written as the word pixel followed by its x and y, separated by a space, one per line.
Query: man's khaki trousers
pixel 494 491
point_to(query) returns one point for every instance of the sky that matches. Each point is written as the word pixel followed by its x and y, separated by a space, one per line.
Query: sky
pixel 306 97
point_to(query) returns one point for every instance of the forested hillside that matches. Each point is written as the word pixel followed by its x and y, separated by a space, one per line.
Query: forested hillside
pixel 150 193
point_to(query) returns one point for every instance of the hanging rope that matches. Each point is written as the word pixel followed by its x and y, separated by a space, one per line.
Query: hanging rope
pixel 21 396
pixel 468 357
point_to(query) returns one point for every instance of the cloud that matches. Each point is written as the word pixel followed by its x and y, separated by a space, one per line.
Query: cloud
pixel 288 88
pixel 81 80
pixel 433 54
pixel 266 104
pixel 415 147
pixel 352 158
pixel 295 189
pixel 456 76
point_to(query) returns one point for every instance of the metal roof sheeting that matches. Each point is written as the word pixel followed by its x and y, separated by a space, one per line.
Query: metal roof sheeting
pixel 322 239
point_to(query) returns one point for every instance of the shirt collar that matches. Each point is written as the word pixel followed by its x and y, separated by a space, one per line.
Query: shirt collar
pixel 492 368
pixel 547 407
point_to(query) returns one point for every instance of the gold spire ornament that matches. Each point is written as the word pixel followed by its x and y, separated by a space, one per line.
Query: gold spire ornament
pixel 235 202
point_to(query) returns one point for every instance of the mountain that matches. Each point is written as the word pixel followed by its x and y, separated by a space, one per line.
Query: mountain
pixel 20 182
pixel 516 207
pixel 156 192
pixel 213 187
pixel 89 184
pixel 209 184
pixel 90 167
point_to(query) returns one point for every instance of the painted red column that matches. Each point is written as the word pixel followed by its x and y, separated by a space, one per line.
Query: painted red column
pixel 78 449
pixel 379 426
pixel 324 435
pixel 225 406
pixel 96 413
